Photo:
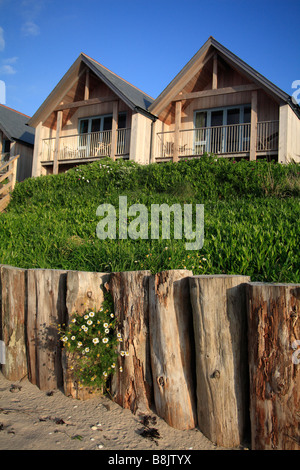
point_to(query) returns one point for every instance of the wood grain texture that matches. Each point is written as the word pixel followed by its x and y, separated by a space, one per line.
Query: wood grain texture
pixel 132 388
pixel 273 338
pixel 219 315
pixel 172 348
pixel 46 297
pixel 12 321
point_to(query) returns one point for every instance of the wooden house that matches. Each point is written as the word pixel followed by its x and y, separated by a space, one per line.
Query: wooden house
pixel 16 138
pixel 90 114
pixel 218 104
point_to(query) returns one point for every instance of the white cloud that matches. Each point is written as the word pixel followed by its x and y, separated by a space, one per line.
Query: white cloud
pixel 2 42
pixel 30 29
pixel 10 60
pixel 7 69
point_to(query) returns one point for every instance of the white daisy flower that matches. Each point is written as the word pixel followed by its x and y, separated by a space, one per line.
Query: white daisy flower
pixel 105 340
pixel 95 340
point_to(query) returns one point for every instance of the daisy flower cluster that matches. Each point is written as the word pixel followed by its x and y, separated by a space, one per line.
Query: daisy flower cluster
pixel 93 345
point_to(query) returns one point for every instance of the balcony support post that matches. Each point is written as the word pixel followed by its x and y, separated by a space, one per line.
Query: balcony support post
pixel 178 107
pixel 114 130
pixel 215 73
pixel 57 141
pixel 253 131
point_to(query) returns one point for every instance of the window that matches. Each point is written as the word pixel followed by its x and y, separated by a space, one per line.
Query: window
pixel 95 134
pixel 222 130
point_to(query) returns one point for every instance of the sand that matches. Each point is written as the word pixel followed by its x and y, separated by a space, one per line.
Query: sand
pixel 31 419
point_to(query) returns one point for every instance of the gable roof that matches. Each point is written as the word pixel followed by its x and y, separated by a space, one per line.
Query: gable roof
pixel 134 98
pixel 14 125
pixel 167 94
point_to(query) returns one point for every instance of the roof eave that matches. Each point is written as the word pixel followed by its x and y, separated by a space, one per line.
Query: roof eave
pixel 235 60
pixel 36 118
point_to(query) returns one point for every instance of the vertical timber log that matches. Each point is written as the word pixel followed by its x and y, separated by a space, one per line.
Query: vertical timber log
pixel 84 293
pixel 46 294
pixel 220 328
pixel 12 321
pixel 172 348
pixel 274 362
pixel 132 388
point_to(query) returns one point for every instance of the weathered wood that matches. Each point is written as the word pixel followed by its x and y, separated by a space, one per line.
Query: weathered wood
pixel 172 348
pixel 57 141
pixel 253 132
pixel 220 321
pixel 216 92
pixel 215 72
pixel 132 388
pixel 12 321
pixel 274 342
pixel 46 293
pixel 84 292
pixel 178 108
pixel 114 137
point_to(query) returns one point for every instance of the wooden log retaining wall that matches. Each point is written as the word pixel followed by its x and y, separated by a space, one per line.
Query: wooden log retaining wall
pixel 215 352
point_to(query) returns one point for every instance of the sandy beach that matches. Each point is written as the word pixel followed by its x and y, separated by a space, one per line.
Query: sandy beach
pixel 31 419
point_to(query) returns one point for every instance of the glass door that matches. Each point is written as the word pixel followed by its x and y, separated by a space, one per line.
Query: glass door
pixel 216 131
pixel 200 133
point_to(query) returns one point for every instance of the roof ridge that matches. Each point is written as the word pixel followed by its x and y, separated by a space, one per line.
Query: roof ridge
pixel 11 109
pixel 116 75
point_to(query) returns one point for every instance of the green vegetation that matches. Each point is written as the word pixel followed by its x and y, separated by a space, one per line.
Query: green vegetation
pixel 91 343
pixel 252 215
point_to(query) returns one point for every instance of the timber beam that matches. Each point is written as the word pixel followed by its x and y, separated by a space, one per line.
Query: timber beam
pixel 78 104
pixel 215 92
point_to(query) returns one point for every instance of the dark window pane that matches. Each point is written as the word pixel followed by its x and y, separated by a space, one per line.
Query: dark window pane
pixel 233 116
pixel 84 126
pixel 247 114
pixel 122 121
pixel 217 118
pixel 95 125
pixel 6 146
pixel 107 123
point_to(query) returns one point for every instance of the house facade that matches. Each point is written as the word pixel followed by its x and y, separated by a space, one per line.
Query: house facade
pixel 216 104
pixel 16 138
pixel 92 113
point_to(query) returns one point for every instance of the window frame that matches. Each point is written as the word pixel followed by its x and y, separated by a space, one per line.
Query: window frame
pixel 206 144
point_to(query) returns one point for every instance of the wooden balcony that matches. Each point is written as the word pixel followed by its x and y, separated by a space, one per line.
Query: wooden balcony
pixel 228 141
pixel 89 146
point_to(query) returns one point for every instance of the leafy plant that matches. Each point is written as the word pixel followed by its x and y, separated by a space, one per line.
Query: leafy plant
pixel 251 213
pixel 93 345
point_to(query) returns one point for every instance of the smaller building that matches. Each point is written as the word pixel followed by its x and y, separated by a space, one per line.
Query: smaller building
pixel 91 113
pixel 16 138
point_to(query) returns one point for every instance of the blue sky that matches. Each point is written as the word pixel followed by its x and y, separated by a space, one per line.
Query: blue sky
pixel 147 42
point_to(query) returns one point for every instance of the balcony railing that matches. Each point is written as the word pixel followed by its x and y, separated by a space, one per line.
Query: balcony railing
pixel 93 144
pixel 220 140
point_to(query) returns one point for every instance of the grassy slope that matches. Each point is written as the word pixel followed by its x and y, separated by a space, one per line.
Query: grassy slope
pixel 251 218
